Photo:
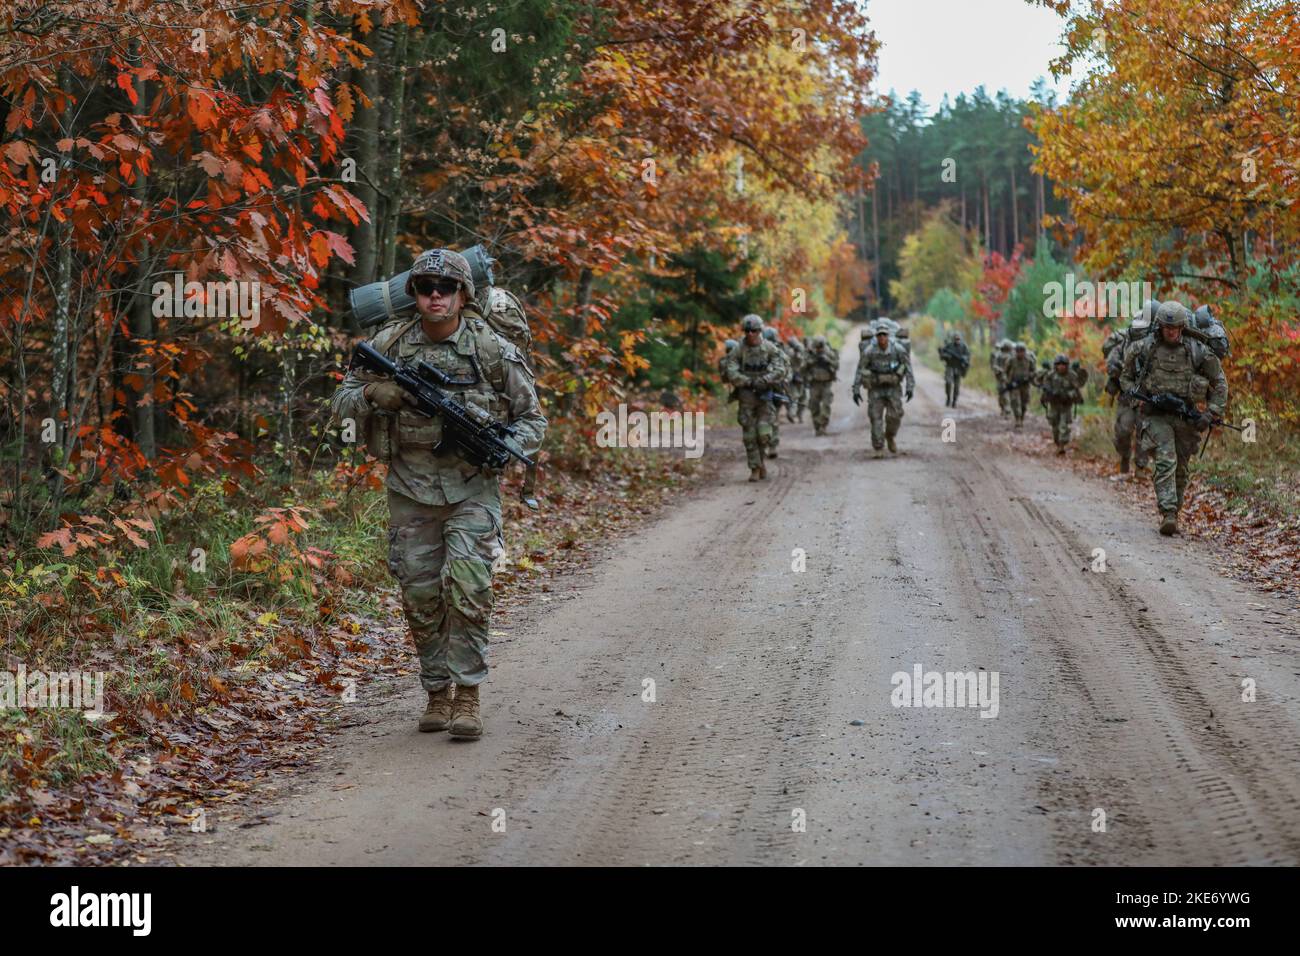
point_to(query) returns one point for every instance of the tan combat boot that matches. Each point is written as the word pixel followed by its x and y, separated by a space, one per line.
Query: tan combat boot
pixel 465 721
pixel 893 449
pixel 762 471
pixel 755 474
pixel 1169 523
pixel 437 715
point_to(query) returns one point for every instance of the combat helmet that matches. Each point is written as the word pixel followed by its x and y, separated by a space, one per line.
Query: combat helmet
pixel 731 345
pixel 1172 314
pixel 1020 346
pixel 819 341
pixel 1149 309
pixel 1061 359
pixel 444 263
pixel 1204 317
pixel 867 332
pixel 1005 345
pixel 769 333
pixel 752 323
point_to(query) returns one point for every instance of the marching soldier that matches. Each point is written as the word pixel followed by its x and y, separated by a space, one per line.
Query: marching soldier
pixel 444 513
pixel 1126 411
pixel 956 363
pixel 822 367
pixel 1169 363
pixel 1019 372
pixel 998 359
pixel 756 369
pixel 1061 391
pixel 884 369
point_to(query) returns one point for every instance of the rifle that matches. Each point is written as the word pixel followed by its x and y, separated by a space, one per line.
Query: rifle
pixel 477 437
pixel 1173 405
pixel 1014 384
pixel 775 397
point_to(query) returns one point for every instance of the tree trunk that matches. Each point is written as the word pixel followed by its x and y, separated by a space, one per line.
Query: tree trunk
pixel 366 141
pixel 395 105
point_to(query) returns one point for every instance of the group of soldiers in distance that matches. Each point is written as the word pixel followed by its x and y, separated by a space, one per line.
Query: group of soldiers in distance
pixel 1161 370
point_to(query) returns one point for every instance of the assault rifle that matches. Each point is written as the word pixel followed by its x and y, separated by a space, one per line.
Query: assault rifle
pixel 1173 405
pixel 1015 383
pixel 476 436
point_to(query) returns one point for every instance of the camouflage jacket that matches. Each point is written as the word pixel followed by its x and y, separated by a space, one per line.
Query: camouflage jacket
pixel 1064 389
pixel 753 369
pixel 1187 369
pixel 884 368
pixel 823 366
pixel 496 378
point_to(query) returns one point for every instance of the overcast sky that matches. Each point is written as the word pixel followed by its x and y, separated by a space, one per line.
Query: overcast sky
pixel 953 46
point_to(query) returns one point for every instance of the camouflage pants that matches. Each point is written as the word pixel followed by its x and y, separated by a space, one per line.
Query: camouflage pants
pixel 821 403
pixel 951 382
pixel 442 557
pixel 885 408
pixel 756 428
pixel 1127 418
pixel 1019 401
pixel 802 399
pixel 1059 416
pixel 776 426
pixel 1171 441
pixel 1002 396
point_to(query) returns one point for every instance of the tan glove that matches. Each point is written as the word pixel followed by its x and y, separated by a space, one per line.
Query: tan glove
pixel 389 396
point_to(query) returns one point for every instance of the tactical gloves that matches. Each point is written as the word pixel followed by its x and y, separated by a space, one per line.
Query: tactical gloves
pixel 909 394
pixel 386 395
pixel 1205 421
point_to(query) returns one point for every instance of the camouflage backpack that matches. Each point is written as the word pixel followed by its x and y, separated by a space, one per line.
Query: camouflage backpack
pixel 505 313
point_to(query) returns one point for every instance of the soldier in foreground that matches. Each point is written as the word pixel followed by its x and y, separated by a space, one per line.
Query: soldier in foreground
pixel 1164 365
pixel 884 369
pixel 956 363
pixel 1019 373
pixel 756 369
pixel 1062 389
pixel 444 513
pixel 820 370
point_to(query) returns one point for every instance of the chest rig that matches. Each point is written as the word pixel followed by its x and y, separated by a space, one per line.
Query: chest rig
pixel 473 361
pixel 1173 370
pixel 886 367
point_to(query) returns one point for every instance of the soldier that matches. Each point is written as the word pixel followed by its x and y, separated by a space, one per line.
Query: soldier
pixel 884 369
pixel 794 351
pixel 769 333
pixel 1211 331
pixel 821 371
pixel 1061 391
pixel 904 338
pixel 956 363
pixel 444 513
pixel 1126 411
pixel 1019 372
pixel 756 369
pixel 1171 363
pixel 998 359
pixel 728 346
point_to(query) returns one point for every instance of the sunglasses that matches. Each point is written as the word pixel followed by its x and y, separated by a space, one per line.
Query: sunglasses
pixel 444 287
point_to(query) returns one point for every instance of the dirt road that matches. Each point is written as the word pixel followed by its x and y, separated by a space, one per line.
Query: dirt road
pixel 1119 691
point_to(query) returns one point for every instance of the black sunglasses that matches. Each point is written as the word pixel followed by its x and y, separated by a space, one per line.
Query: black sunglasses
pixel 441 286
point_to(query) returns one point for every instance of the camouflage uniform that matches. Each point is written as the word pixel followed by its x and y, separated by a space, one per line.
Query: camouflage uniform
pixel 1061 390
pixel 1019 368
pixel 884 372
pixel 1189 370
pixel 445 514
pixel 998 359
pixel 820 372
pixel 753 370
pixel 956 362
pixel 1127 415
pixel 769 334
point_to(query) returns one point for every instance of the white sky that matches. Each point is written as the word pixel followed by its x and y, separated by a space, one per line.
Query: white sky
pixel 953 46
